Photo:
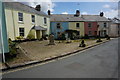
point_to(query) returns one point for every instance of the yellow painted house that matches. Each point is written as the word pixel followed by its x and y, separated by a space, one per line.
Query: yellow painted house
pixel 78 26
pixel 25 21
pixel 67 23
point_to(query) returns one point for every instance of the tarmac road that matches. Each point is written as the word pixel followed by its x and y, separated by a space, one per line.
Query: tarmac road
pixel 98 62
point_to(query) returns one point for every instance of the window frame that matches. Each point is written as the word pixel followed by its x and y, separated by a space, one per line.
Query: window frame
pixel 89 25
pixel 105 24
pixel 58 25
pixel 20 17
pixel 45 20
pixel 20 32
pixel 77 25
pixel 33 18
pixel 89 33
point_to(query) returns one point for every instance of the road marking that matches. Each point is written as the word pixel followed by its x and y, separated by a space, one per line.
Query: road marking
pixel 40 64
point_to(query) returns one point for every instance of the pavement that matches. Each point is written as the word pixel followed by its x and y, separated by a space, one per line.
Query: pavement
pixel 38 52
pixel 98 62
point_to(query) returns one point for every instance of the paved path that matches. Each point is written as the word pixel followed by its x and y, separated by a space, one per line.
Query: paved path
pixel 98 62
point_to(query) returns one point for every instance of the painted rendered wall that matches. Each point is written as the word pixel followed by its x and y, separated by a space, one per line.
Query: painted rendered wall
pixel 72 25
pixel 93 28
pixel 54 30
pixel 113 31
pixel 101 27
pixel 13 24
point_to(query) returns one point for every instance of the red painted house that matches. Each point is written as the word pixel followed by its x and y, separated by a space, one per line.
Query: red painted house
pixel 91 28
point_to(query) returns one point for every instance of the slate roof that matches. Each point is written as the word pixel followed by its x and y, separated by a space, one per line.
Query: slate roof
pixel 65 17
pixel 116 21
pixel 94 18
pixel 22 7
pixel 71 17
pixel 39 28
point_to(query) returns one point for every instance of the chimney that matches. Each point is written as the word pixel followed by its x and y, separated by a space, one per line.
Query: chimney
pixel 101 14
pixel 38 8
pixel 48 12
pixel 77 13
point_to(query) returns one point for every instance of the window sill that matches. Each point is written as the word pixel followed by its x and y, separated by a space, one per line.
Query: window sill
pixel 21 22
pixel 33 23
pixel 45 24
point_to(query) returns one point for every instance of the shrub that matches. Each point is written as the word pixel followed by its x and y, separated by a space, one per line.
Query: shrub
pixel 30 36
pixel 12 48
pixel 82 44
pixel 99 40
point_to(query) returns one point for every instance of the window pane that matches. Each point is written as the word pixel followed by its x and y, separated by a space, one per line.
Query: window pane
pixel 21 31
pixel 33 18
pixel 77 25
pixel 58 25
pixel 20 16
pixel 45 21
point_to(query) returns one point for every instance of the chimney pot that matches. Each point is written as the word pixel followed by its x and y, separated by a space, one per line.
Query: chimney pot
pixel 38 8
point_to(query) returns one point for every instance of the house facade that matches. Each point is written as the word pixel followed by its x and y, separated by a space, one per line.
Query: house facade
pixel 91 28
pixel 69 24
pixel 114 29
pixel 96 24
pixel 25 21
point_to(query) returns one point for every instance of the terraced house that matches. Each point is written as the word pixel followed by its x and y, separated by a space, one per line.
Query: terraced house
pixel 79 25
pixel 96 25
pixel 25 21
pixel 70 24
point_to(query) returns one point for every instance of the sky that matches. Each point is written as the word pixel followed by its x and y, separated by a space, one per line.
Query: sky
pixel 86 8
pixel 109 8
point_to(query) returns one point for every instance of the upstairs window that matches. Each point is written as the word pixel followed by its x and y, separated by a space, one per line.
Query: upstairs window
pixel 45 20
pixel 58 25
pixel 33 18
pixel 89 25
pixel 105 25
pixel 20 16
pixel 77 25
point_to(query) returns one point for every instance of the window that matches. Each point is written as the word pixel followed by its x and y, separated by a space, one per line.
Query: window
pixel 89 25
pixel 89 33
pixel 105 25
pixel 45 20
pixel 21 31
pixel 58 25
pixel 105 32
pixel 77 25
pixel 33 18
pixel 20 16
pixel 118 26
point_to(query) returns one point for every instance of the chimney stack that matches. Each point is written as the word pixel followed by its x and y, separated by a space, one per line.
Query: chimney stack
pixel 101 14
pixel 49 12
pixel 77 13
pixel 38 8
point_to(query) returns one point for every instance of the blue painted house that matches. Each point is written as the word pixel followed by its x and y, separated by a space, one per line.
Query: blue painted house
pixel 70 24
pixel 58 28
pixel 58 25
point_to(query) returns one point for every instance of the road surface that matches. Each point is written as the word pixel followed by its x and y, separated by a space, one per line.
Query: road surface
pixel 98 62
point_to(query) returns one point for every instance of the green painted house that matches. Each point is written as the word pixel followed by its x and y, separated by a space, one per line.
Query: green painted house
pixel 3 32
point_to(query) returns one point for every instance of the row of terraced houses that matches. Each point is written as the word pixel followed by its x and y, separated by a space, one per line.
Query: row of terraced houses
pixel 23 20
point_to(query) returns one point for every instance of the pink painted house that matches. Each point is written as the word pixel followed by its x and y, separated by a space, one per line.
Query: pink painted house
pixel 91 28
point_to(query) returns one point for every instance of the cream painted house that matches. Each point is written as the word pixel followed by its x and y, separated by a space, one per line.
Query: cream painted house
pixel 25 21
pixel 114 29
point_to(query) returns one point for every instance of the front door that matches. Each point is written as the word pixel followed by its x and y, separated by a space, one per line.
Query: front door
pixel 38 34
